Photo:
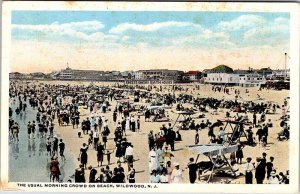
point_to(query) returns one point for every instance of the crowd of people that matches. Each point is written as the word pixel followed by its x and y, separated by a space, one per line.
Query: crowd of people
pixel 63 105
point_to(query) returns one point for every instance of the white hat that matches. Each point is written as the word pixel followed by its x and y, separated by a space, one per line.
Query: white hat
pixel 176 164
pixel 152 154
pixel 273 173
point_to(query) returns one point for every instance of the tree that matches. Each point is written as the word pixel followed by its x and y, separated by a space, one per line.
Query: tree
pixel 222 69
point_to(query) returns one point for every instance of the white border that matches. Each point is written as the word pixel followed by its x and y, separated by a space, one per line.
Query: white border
pixel 292 8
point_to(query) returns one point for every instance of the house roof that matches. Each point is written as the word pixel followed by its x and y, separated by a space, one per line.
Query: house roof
pixel 192 72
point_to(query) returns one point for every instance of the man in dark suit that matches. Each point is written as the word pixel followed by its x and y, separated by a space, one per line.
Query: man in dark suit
pixel 193 168
pixel 171 136
pixel 260 170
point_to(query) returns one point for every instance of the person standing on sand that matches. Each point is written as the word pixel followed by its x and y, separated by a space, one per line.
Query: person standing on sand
pixel 147 115
pixel 270 167
pixel 100 153
pixel 79 174
pixel 88 125
pixel 260 171
pixel 93 172
pixel 129 155
pixel 259 133
pixel 95 139
pixel 29 129
pixel 138 124
pixel 153 160
pixel 62 149
pixel 54 169
pixel 177 175
pixel 254 119
pixel 77 118
pixel 131 175
pixel 196 137
pixel 115 116
pixel 171 135
pixel 248 171
pixel 119 176
pixel 265 131
pixel 193 168
pixel 83 157
pixel 151 140
pixel 127 125
pixel 239 153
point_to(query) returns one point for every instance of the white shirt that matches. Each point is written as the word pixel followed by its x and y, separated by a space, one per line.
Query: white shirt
pixel 129 151
pixel 177 176
pixel 249 167
pixel 96 135
pixel 221 134
pixel 162 133
pixel 273 180
pixel 235 169
pixel 163 179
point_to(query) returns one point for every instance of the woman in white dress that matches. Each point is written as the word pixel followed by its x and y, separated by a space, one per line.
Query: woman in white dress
pixel 127 125
pixel 177 175
pixel 152 160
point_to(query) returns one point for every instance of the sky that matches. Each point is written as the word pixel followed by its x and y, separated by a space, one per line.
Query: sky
pixel 47 41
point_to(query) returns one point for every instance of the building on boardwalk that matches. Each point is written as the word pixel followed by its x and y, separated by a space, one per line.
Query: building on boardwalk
pixel 222 78
pixel 224 75
pixel 192 76
pixel 74 74
pixel 252 80
pixel 159 75
pixel 233 79
pixel 280 74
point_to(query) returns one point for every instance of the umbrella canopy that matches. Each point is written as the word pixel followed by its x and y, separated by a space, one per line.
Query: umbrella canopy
pixel 212 149
pixel 190 112
pixel 155 107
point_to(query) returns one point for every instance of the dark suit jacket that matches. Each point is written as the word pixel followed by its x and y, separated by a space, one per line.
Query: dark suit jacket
pixel 260 171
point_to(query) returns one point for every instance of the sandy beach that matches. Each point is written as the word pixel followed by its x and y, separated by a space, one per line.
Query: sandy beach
pixel 275 148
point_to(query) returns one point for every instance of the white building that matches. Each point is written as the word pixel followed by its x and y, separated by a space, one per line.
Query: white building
pixel 222 78
pixel 244 80
pixel 139 75
pixel 280 74
pixel 158 74
pixel 252 80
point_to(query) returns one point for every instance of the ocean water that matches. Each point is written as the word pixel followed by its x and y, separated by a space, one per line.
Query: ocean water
pixel 28 159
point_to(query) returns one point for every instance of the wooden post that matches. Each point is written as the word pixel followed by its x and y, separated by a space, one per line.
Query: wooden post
pixel 228 164
pixel 176 121
pixel 197 158
pixel 212 171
